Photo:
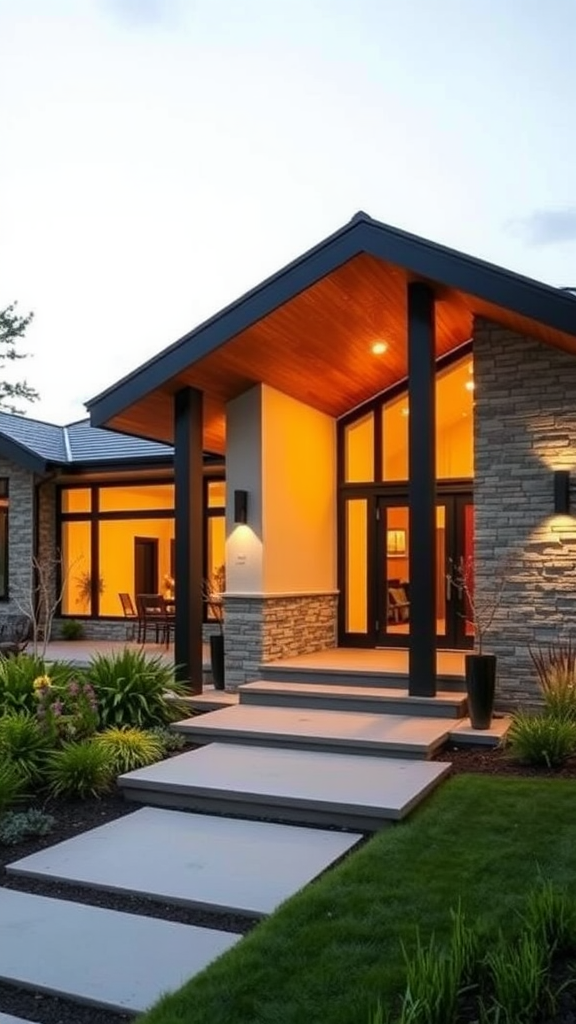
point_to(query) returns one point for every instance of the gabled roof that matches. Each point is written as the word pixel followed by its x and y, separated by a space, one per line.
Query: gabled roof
pixel 483 287
pixel 37 445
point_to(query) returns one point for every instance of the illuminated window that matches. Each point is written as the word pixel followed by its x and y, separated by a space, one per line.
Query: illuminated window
pixel 359 450
pixel 76 568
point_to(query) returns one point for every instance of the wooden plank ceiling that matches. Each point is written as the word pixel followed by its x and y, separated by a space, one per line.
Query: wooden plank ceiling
pixel 318 348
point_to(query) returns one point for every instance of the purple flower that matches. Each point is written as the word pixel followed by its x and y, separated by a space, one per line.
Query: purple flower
pixel 57 707
pixel 73 688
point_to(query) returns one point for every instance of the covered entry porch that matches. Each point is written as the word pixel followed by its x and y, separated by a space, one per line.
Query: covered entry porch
pixel 265 383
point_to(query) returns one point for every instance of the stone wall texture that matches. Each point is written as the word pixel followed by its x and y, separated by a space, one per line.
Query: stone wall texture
pixel 20 540
pixel 525 428
pixel 260 629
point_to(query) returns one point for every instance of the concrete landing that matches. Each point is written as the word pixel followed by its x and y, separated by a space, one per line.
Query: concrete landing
pixel 341 790
pixel 335 731
pixel 6 1018
pixel 371 699
pixel 215 863
pixel 102 957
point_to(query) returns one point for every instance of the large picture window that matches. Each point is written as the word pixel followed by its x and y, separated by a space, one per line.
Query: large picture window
pixel 3 538
pixel 119 539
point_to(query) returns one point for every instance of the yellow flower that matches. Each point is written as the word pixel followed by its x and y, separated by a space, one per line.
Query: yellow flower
pixel 41 683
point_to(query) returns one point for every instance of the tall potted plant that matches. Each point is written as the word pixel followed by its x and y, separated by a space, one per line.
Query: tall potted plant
pixel 214 588
pixel 479 611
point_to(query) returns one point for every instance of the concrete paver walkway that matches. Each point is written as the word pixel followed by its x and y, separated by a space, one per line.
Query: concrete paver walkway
pixel 223 864
pixel 121 961
pixel 319 788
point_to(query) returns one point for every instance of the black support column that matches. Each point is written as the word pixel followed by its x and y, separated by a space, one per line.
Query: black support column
pixel 189 536
pixel 422 489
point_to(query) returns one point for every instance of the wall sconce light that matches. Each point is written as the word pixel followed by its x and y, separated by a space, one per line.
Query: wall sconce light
pixel 562 492
pixel 240 506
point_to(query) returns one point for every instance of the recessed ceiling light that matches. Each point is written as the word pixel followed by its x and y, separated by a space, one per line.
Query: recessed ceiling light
pixel 469 385
pixel 379 348
pixel 405 411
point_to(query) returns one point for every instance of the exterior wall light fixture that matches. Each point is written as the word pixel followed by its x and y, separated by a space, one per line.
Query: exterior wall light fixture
pixel 562 492
pixel 240 506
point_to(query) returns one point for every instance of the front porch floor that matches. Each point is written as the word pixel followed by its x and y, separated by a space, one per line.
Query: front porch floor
pixel 387 660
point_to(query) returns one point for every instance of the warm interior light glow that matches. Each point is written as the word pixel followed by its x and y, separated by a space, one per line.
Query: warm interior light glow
pixel 379 348
pixel 469 385
pixel 405 411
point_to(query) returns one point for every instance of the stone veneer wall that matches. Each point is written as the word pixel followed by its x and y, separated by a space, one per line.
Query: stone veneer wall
pixel 260 629
pixel 525 427
pixel 20 539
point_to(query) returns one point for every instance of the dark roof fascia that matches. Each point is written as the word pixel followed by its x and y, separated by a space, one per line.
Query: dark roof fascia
pixel 22 456
pixel 523 295
pixel 216 331
pixel 484 280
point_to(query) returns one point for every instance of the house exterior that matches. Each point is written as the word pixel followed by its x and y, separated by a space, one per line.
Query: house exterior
pixel 95 510
pixel 390 411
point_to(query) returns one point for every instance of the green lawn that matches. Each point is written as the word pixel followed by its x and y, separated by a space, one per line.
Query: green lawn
pixel 330 952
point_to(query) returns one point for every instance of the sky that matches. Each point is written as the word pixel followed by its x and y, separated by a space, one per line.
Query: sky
pixel 158 158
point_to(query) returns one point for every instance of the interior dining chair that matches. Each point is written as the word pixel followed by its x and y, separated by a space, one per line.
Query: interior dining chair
pixel 152 612
pixel 133 625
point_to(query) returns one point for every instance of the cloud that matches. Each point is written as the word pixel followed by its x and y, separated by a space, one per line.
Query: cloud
pixel 547 227
pixel 143 13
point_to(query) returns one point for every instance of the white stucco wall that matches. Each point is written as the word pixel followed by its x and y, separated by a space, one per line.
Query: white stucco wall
pixel 283 453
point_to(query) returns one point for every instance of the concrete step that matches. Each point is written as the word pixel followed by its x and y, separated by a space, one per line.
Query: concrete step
pixel 120 961
pixel 276 672
pixel 296 786
pixel 345 732
pixel 372 699
pixel 183 858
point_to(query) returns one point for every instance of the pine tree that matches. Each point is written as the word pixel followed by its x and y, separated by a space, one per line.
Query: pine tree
pixel 12 330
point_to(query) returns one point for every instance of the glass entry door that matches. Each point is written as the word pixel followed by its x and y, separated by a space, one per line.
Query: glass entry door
pixel 454 554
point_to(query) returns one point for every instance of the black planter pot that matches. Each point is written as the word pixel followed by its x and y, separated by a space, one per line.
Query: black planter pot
pixel 217 660
pixel 480 687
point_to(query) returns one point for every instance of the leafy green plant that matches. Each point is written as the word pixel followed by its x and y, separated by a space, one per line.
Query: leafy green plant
pixel 17 676
pixel 551 916
pixel 130 748
pixel 132 689
pixel 12 785
pixel 24 745
pixel 519 975
pixel 66 712
pixel 171 742
pixel 80 770
pixel 71 629
pixel 432 984
pixel 541 739
pixel 17 826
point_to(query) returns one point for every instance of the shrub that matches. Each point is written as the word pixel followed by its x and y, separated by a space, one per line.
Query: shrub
pixel 80 770
pixel 17 826
pixel 130 748
pixel 66 712
pixel 12 785
pixel 555 665
pixel 171 742
pixel 541 739
pixel 24 745
pixel 71 629
pixel 131 689
pixel 550 915
pixel 17 677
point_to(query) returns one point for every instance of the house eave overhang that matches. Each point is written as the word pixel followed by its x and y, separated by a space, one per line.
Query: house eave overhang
pixel 23 456
pixel 418 257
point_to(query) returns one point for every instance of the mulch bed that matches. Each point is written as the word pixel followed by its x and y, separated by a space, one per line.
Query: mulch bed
pixel 75 817
pixel 495 761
